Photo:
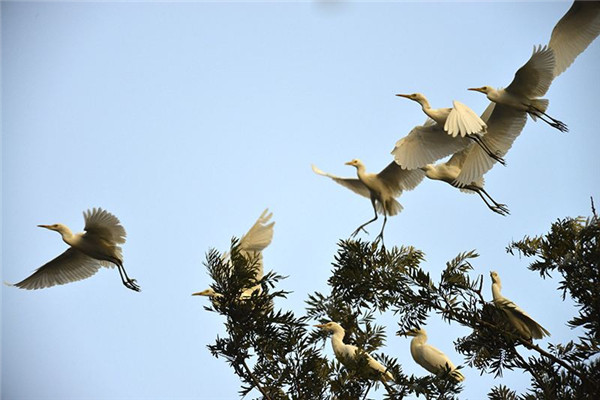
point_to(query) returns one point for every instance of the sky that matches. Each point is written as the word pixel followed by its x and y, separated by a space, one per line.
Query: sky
pixel 186 120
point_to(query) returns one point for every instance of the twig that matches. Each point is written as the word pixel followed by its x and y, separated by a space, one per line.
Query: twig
pixel 254 380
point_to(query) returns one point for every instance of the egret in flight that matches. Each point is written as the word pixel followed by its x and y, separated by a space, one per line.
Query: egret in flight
pixel 574 33
pixel 97 247
pixel 381 188
pixel 430 358
pixel 523 324
pixel 447 131
pixel 450 170
pixel 531 81
pixel 251 245
pixel 347 353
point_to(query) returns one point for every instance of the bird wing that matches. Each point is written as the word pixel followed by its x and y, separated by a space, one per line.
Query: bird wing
pixel 257 238
pixel 534 78
pixel 521 320
pixel 463 121
pixel 398 179
pixel 70 266
pixel 574 33
pixel 101 223
pixel 424 145
pixel 351 183
pixel 432 359
pixel 504 126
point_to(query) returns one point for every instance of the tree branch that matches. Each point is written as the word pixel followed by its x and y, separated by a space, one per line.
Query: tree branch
pixel 254 380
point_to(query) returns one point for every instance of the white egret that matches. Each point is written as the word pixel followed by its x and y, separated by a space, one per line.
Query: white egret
pixel 459 120
pixel 531 81
pixel 430 358
pixel 525 326
pixel 347 353
pixel 251 245
pixel 504 126
pixel 447 131
pixel 381 188
pixel 574 32
pixel 450 170
pixel 97 247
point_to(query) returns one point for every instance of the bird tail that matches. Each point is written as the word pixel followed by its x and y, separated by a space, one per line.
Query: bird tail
pixel 392 206
pixel 539 104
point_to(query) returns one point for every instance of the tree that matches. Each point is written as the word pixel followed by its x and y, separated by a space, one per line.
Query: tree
pixel 276 353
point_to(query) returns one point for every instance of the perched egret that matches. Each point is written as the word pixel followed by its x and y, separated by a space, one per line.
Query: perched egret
pixel 97 247
pixel 251 245
pixel 447 131
pixel 574 32
pixel 430 358
pixel 531 81
pixel 347 353
pixel 449 171
pixel 381 188
pixel 525 326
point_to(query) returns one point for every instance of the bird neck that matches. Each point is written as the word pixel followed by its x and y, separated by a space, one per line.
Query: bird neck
pixel 496 291
pixel 424 105
pixel 337 341
pixel 360 171
pixel 67 235
pixel 418 340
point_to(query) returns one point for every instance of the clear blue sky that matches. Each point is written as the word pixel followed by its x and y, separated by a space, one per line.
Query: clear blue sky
pixel 186 120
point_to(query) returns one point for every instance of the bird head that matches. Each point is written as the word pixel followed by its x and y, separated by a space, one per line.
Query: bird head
pixel 418 97
pixel 355 163
pixel 495 277
pixel 330 327
pixel 415 332
pixel 55 227
pixel 483 89
pixel 208 293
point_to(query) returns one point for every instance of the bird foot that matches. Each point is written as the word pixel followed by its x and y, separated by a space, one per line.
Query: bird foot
pixel 360 228
pixel 560 126
pixel 501 209
pixel 131 284
pixel 378 238
pixel 499 159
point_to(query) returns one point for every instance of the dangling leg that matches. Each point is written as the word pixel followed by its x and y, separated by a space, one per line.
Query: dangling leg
pixel 485 148
pixel 561 126
pixel 128 282
pixel 500 210
pixel 500 206
pixel 362 227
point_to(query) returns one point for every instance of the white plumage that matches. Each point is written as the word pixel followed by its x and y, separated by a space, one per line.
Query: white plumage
pixel 381 188
pixel 251 245
pixel 450 170
pixel 524 325
pixel 430 358
pixel 90 250
pixel 346 353
pixel 574 32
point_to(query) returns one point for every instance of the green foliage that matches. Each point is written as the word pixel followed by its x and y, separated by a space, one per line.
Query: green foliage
pixel 278 354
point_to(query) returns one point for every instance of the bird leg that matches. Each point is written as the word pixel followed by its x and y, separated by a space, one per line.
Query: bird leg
pixel 561 126
pixel 489 152
pixel 497 207
pixel 362 227
pixel 500 206
pixel 127 281
pixel 380 236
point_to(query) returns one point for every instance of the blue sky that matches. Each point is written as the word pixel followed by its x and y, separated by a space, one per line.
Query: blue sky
pixel 186 120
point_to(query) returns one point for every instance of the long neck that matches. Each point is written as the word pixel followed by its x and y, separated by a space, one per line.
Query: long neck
pixel 496 290
pixel 67 235
pixel 361 172
pixel 337 341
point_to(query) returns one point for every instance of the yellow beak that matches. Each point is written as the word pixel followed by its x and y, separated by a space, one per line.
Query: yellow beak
pixel 477 90
pixel 404 95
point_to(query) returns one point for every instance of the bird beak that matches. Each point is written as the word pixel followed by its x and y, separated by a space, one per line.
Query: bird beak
pixel 198 294
pixel 404 95
pixel 44 226
pixel 477 90
pixel 319 326
pixel 409 333
pixel 348 163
